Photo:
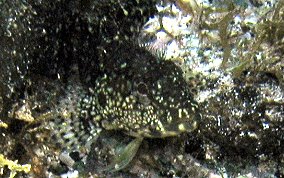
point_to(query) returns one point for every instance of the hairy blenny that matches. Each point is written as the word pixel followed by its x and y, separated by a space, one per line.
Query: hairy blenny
pixel 138 93
pixel 141 94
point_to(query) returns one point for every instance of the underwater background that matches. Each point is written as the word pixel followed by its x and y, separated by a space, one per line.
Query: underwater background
pixel 142 88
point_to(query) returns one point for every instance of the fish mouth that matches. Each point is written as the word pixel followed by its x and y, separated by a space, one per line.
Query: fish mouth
pixel 161 131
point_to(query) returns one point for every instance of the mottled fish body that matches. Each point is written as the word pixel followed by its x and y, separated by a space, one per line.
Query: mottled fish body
pixel 139 94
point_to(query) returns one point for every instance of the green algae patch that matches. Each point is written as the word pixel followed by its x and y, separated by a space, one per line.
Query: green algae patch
pixel 13 166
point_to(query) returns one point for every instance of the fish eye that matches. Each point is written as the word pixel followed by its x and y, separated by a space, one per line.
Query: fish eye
pixel 142 88
pixel 141 93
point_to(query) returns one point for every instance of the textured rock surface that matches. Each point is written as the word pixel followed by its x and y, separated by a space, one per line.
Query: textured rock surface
pixel 51 53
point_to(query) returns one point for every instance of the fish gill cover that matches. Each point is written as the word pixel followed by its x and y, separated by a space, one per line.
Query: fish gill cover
pixel 95 88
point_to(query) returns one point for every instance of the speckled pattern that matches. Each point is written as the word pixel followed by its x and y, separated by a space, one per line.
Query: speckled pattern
pixel 125 85
pixel 143 95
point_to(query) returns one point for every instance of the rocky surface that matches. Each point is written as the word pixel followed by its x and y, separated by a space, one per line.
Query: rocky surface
pixel 231 56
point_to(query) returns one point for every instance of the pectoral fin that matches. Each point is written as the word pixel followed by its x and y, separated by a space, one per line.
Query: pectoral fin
pixel 124 156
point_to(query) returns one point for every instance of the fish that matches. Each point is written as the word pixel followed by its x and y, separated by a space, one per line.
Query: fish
pixel 139 94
